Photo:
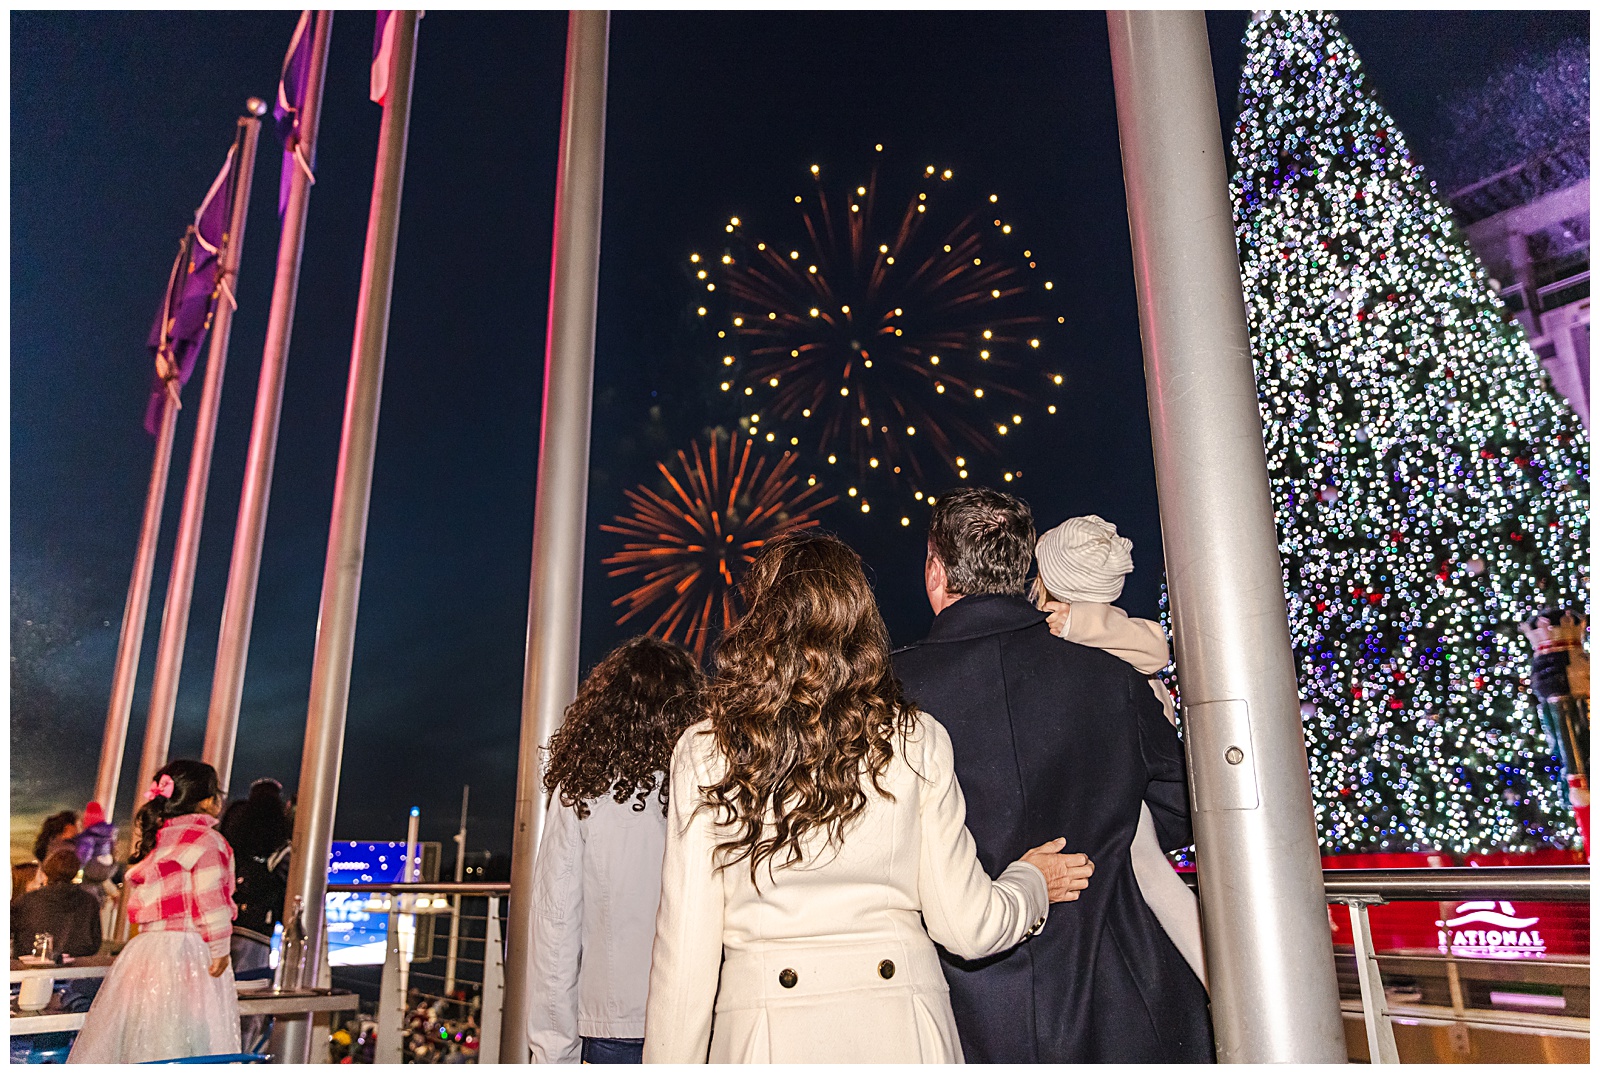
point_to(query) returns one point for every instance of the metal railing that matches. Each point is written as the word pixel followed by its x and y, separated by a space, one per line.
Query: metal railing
pixel 425 1014
pixel 1361 889
pixel 412 1008
pixel 1540 883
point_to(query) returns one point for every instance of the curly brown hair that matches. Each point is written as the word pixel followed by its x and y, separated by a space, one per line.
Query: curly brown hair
pixel 803 702
pixel 619 731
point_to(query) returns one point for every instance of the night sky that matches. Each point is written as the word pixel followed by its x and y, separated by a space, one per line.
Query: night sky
pixel 118 123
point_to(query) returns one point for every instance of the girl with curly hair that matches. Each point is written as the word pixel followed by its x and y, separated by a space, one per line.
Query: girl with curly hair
pixel 816 840
pixel 597 878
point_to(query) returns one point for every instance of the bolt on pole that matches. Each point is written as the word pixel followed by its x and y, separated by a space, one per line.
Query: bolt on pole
pixel 1269 949
pixel 555 602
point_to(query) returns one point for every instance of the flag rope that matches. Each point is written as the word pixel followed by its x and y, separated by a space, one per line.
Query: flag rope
pixel 300 159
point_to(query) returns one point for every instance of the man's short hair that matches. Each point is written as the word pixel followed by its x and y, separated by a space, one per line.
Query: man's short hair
pixel 985 540
pixel 61 865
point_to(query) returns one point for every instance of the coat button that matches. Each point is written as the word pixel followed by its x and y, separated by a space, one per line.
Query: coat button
pixel 886 969
pixel 788 978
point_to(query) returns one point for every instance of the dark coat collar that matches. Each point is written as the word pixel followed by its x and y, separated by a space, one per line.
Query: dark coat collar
pixel 982 615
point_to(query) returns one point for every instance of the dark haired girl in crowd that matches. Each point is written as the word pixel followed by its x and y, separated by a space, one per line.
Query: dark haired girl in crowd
pixel 170 993
pixel 598 877
pixel 58 830
pixel 258 829
pixel 816 841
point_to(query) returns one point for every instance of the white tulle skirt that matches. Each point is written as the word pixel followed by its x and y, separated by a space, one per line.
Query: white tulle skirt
pixel 160 1002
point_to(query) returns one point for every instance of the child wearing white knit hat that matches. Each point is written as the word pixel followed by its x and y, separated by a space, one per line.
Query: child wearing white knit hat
pixel 1082 564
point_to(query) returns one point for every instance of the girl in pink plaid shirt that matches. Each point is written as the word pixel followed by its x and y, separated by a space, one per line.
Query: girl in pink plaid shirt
pixel 170 993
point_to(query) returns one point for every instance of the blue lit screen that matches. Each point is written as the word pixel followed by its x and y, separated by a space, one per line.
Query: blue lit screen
pixel 356 934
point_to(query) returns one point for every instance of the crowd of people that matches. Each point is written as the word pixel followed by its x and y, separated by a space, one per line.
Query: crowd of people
pixel 779 862
pixel 170 992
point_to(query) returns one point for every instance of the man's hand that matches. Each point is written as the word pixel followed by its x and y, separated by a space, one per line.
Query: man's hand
pixel 1060 612
pixel 220 964
pixel 1064 874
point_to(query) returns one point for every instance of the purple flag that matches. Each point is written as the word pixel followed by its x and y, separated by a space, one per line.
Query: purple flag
pixel 185 314
pixel 291 103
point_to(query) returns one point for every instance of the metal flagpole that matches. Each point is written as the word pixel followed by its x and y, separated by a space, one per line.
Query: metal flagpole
pixel 186 549
pixel 341 580
pixel 550 674
pixel 238 606
pixel 1269 951
pixel 133 612
pixel 455 901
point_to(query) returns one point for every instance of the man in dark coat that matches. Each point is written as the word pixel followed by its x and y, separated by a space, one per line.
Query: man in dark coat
pixel 1052 738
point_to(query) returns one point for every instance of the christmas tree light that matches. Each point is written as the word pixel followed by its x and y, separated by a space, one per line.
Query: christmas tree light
pixel 1431 489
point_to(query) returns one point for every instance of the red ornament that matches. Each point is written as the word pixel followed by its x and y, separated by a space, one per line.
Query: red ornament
pixel 1395 703
pixel 1373 598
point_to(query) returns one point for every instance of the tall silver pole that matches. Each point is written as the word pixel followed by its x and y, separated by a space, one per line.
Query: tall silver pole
pixel 455 901
pixel 341 578
pixel 186 549
pixel 238 606
pixel 126 672
pixel 550 673
pixel 1269 952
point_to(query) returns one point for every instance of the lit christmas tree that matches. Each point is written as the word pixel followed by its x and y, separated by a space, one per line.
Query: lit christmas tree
pixel 1430 488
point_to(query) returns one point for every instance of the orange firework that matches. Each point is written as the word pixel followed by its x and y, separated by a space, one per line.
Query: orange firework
pixel 694 543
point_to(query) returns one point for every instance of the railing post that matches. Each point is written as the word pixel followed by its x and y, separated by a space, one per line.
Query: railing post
pixel 1460 1036
pixel 390 1045
pixel 322 1021
pixel 494 986
pixel 1381 1047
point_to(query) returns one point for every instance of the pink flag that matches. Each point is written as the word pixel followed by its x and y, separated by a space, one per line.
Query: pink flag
pixel 382 50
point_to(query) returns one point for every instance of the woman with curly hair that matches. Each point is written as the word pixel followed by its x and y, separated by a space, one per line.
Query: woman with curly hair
pixel 816 840
pixel 598 875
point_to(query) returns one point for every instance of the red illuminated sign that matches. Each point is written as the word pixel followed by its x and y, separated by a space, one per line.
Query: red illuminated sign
pixel 1471 928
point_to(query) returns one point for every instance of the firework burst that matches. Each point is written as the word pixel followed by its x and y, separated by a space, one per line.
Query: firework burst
pixel 693 541
pixel 893 344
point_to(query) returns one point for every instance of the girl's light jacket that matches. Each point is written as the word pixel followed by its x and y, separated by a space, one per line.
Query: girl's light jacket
pixel 596 884
pixel 828 961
